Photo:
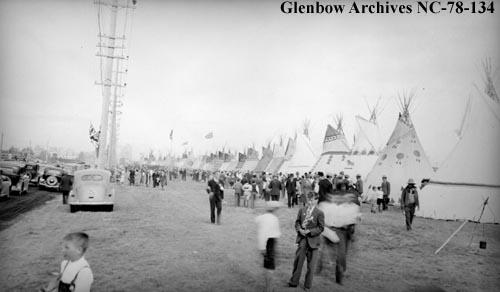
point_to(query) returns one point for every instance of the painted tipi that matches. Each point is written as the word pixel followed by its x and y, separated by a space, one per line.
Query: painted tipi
pixel 402 158
pixel 335 150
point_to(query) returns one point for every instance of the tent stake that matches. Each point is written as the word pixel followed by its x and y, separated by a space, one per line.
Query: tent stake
pixel 449 238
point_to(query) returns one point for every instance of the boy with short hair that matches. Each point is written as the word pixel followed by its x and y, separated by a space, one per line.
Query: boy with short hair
pixel 75 273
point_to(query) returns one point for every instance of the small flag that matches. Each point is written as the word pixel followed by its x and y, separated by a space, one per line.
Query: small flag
pixel 209 135
pixel 171 134
pixel 93 134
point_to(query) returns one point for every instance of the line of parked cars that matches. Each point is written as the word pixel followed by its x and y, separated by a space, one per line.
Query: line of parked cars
pixel 91 187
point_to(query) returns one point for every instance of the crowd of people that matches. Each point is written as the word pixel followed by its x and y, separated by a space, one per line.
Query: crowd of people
pixel 329 206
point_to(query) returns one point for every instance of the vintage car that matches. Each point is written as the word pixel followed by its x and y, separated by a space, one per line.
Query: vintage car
pixel 92 187
pixel 32 169
pixel 16 172
pixel 5 187
pixel 51 178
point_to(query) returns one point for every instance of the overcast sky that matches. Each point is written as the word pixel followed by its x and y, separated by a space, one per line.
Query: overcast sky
pixel 241 69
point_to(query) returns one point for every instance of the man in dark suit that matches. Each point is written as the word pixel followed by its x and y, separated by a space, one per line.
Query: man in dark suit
pixel 325 187
pixel 291 190
pixel 309 225
pixel 386 189
pixel 65 186
pixel 216 195
pixel 275 187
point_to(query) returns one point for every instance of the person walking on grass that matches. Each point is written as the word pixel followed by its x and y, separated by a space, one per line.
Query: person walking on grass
pixel 216 195
pixel 268 232
pixel 247 193
pixel 66 185
pixel 275 187
pixel 238 191
pixel 309 225
pixel 386 189
pixel 409 200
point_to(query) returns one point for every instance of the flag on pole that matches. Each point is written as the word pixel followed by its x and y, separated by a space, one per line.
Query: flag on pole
pixel 209 135
pixel 93 134
pixel 171 134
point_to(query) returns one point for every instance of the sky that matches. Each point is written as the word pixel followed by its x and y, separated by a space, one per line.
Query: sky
pixel 240 69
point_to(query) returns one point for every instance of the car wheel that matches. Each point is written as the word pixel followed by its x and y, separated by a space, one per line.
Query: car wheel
pixel 73 208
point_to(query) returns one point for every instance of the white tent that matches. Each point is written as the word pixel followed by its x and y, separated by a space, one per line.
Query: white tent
pixel 278 158
pixel 471 173
pixel 251 161
pixel 300 157
pixel 335 152
pixel 402 158
pixel 366 147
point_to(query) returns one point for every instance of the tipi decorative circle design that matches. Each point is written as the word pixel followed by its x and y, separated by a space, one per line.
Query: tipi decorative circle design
pixel 399 157
pixel 416 153
pixel 384 156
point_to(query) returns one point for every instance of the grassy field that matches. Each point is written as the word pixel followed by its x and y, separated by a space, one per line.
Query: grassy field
pixel 163 241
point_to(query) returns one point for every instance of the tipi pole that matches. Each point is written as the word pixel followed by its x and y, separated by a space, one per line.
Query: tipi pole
pixel 449 238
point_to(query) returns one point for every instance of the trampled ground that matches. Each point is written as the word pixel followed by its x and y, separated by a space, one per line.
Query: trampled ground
pixel 163 241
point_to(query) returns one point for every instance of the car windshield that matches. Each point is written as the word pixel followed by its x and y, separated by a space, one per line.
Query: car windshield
pixel 54 172
pixel 92 177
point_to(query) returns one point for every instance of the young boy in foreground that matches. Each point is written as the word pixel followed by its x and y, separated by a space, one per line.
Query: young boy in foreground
pixel 75 273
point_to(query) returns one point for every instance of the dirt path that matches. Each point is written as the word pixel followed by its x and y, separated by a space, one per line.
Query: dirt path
pixel 163 241
pixel 17 205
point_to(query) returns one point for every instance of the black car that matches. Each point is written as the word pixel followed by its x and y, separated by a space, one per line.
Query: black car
pixel 16 171
pixel 51 178
pixel 32 170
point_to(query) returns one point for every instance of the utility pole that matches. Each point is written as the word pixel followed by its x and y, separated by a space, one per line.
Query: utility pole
pixel 107 83
pixel 1 144
pixel 107 153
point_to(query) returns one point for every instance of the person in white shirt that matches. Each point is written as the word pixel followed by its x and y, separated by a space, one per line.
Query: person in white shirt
pixel 268 232
pixel 247 193
pixel 75 273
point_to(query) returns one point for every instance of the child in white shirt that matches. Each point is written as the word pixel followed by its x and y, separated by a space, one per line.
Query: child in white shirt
pixel 247 193
pixel 75 273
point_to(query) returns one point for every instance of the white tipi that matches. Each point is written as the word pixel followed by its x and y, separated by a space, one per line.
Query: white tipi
pixel 301 157
pixel 335 150
pixel 278 157
pixel 402 158
pixel 470 176
pixel 366 147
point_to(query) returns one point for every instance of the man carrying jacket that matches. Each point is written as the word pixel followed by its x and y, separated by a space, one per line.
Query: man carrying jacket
pixel 216 195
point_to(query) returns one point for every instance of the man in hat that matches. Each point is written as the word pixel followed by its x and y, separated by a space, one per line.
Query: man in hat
pixel 409 200
pixel 386 189
pixel 309 226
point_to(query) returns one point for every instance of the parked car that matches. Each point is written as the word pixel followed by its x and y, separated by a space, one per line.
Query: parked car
pixel 51 178
pixel 92 187
pixel 5 187
pixel 32 169
pixel 16 172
